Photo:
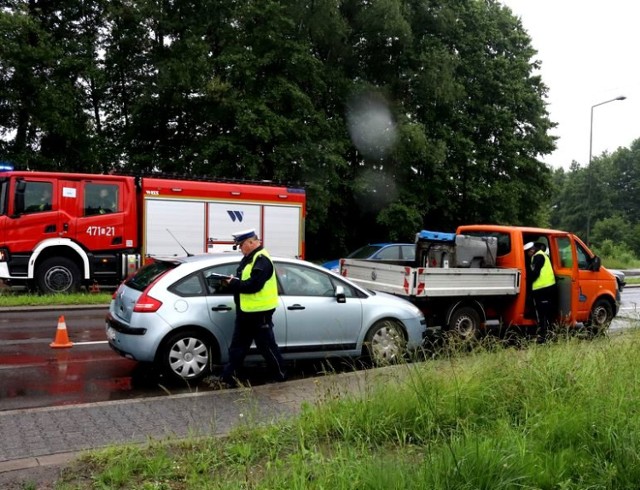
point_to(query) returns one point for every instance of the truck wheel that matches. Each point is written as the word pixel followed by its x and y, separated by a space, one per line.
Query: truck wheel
pixel 385 342
pixel 600 317
pixel 58 275
pixel 465 323
pixel 186 356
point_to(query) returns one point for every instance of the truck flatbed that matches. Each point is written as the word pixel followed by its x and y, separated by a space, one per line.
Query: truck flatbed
pixel 423 282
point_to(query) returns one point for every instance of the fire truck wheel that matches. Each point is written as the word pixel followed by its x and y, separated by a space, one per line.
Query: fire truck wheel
pixel 185 356
pixel 465 323
pixel 58 275
pixel 385 342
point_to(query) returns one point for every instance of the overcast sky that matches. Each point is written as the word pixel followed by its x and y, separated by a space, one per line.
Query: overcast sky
pixel 590 53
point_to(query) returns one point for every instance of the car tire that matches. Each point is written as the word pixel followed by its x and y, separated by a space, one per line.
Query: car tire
pixel 385 342
pixel 465 324
pixel 186 356
pixel 600 317
pixel 58 275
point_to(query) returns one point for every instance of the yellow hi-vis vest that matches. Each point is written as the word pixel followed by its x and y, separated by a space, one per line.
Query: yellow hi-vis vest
pixel 546 277
pixel 264 300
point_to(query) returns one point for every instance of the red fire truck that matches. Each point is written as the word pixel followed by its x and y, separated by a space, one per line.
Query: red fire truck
pixel 60 231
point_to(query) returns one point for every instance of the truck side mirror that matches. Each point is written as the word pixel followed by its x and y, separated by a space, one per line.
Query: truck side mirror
pixel 595 264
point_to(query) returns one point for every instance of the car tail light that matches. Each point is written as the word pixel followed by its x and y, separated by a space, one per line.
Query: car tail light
pixel 147 304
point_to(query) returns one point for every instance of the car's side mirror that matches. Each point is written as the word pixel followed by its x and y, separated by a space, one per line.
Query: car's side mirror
pixel 339 294
pixel 595 264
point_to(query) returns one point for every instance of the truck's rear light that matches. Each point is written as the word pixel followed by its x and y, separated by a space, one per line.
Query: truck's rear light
pixel 341 269
pixel 147 304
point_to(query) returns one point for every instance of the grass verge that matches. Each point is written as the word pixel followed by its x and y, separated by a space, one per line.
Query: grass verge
pixel 553 416
pixel 10 299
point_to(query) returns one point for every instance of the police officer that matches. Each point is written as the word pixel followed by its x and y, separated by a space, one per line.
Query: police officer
pixel 543 289
pixel 255 292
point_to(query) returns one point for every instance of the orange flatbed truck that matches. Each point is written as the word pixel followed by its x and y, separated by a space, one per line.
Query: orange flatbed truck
pixel 466 299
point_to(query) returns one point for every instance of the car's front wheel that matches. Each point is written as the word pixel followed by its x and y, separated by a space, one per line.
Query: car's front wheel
pixel 385 342
pixel 186 356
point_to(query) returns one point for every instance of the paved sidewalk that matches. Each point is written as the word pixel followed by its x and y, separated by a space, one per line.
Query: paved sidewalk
pixel 35 438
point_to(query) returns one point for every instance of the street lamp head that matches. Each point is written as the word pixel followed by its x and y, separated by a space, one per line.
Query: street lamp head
pixel 620 97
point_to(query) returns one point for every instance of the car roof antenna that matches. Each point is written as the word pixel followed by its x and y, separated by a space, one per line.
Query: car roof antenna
pixel 185 250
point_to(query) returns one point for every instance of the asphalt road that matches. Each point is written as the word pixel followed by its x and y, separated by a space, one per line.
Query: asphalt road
pixel 33 374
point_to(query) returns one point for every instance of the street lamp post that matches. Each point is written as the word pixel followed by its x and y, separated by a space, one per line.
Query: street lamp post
pixel 621 97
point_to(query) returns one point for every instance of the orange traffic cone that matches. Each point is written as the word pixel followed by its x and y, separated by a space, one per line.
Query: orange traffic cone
pixel 62 338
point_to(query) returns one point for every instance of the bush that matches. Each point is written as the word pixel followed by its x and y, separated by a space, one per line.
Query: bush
pixel 616 255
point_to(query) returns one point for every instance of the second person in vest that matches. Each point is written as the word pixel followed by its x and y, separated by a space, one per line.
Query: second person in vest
pixel 543 289
pixel 255 293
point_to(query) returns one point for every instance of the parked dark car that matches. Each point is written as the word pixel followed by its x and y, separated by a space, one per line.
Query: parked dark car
pixel 620 277
pixel 378 251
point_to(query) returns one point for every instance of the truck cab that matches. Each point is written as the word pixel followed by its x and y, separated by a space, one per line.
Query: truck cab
pixel 58 231
pixel 587 292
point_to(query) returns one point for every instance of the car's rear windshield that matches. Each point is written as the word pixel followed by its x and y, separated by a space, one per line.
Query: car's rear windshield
pixel 149 273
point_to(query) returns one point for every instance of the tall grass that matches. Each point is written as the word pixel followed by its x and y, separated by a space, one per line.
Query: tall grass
pixel 561 416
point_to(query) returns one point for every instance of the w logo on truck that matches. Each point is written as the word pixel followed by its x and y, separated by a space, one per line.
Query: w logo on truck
pixel 236 215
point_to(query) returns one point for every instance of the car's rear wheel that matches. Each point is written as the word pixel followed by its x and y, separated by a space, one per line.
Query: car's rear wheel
pixel 186 356
pixel 385 342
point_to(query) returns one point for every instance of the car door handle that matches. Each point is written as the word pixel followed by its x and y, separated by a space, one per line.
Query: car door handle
pixel 295 307
pixel 221 308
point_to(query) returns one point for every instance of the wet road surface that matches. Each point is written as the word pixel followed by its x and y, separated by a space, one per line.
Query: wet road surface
pixel 33 374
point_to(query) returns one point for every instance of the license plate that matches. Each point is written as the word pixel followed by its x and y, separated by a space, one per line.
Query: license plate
pixel 111 333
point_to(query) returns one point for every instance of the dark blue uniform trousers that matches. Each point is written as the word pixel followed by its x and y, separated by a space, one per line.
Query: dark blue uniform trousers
pixel 249 328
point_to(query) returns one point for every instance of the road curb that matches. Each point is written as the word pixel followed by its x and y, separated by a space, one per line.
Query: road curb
pixel 39 461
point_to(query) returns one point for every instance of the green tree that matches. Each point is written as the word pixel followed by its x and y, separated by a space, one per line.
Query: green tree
pixel 394 114
pixel 46 55
pixel 624 181
pixel 569 202
pixel 614 228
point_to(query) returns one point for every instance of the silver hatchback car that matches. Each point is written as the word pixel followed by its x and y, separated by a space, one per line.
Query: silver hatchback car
pixel 176 313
